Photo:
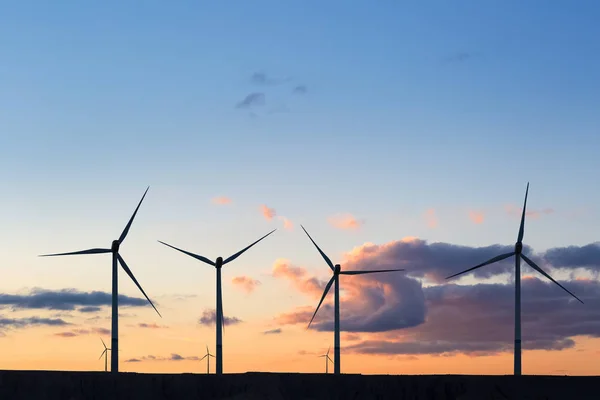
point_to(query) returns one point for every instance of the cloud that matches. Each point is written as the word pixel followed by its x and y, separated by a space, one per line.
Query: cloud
pixel 272 331
pixel 401 316
pixel 299 277
pixel 246 283
pixel 222 200
pixel 431 218
pixel 570 257
pixel 89 309
pixel 261 78
pixel 209 317
pixel 172 357
pixel 253 99
pixel 18 323
pixel 287 224
pixel 479 319
pixel 300 89
pixel 476 217
pixel 150 326
pixel 345 221
pixel 516 211
pixel 81 332
pixel 268 213
pixel 461 57
pixel 66 299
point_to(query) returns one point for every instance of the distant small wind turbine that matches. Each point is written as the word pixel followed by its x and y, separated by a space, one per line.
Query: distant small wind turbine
pixel 207 356
pixel 105 354
pixel 116 257
pixel 337 271
pixel 518 253
pixel 218 264
pixel 327 360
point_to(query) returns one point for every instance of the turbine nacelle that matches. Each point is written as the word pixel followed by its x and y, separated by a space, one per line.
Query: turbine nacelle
pixel 337 269
pixel 219 262
pixel 115 246
pixel 518 247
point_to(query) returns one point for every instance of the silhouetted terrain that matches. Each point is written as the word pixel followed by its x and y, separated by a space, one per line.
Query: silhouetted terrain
pixel 47 385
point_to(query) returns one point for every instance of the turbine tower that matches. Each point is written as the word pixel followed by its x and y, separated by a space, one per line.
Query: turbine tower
pixel 337 271
pixel 207 356
pixel 105 354
pixel 116 258
pixel 218 264
pixel 518 253
pixel 327 360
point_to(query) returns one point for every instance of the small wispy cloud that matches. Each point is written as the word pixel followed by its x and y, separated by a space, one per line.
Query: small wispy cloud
pixel 81 332
pixel 268 213
pixel 262 79
pixel 151 325
pixel 246 283
pixel 172 357
pixel 221 200
pixel 287 224
pixel 461 56
pixel 300 89
pixel 431 218
pixel 209 317
pixel 251 100
pixel 17 323
pixel 476 217
pixel 272 332
pixel 345 222
pixel 515 211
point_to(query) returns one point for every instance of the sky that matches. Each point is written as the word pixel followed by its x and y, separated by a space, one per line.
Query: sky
pixel 399 134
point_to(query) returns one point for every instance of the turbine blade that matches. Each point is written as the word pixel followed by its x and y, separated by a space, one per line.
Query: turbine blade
pixel 73 253
pixel 207 352
pixel 196 256
pixel 368 272
pixel 327 260
pixel 522 227
pixel 239 253
pixel 541 271
pixel 322 298
pixel 128 271
pixel 203 357
pixel 104 344
pixel 126 230
pixel 210 355
pixel 102 354
pixel 490 261
pixel 328 351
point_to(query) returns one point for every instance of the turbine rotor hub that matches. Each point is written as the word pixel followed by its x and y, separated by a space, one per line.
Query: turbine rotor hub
pixel 115 246
pixel 219 262
pixel 337 269
pixel 518 247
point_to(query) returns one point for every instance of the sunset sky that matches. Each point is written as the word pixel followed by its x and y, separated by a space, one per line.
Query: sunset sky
pixel 400 134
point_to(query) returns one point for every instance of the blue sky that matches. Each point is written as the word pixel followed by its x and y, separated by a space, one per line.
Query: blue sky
pixel 409 106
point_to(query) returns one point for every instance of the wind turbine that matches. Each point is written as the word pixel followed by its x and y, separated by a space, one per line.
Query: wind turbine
pixel 116 257
pixel 218 264
pixel 518 253
pixel 207 356
pixel 105 354
pixel 327 360
pixel 337 271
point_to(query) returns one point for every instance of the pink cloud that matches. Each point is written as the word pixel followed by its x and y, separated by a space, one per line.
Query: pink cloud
pixel 431 218
pixel 287 224
pixel 476 217
pixel 299 277
pixel 515 211
pixel 267 212
pixel 222 200
pixel 345 222
pixel 245 283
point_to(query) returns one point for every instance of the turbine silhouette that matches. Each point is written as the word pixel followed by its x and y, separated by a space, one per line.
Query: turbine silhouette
pixel 327 360
pixel 337 271
pixel 105 354
pixel 116 258
pixel 207 356
pixel 218 264
pixel 518 253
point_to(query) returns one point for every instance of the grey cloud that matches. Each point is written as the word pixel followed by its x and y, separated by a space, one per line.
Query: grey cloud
pixel 272 331
pixel 66 299
pixel 300 89
pixel 587 256
pixel 253 99
pixel 31 321
pixel 261 78
pixel 209 317
pixel 172 357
